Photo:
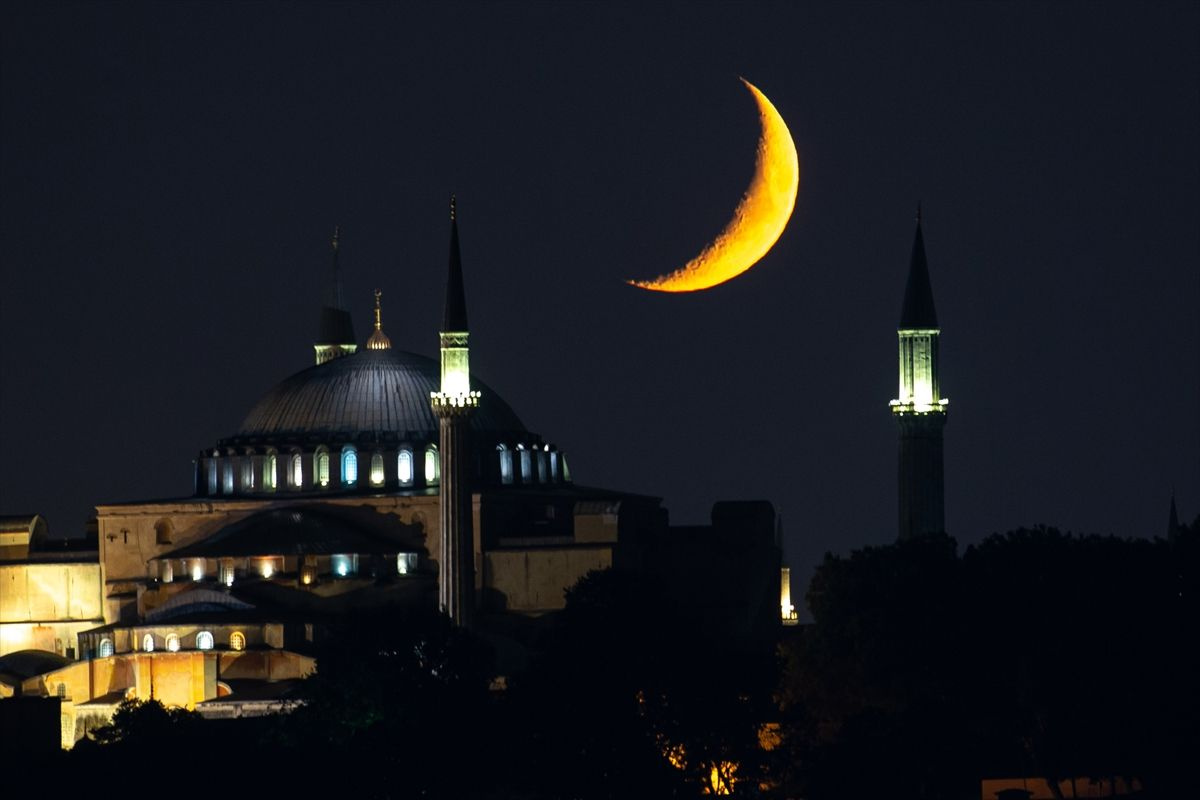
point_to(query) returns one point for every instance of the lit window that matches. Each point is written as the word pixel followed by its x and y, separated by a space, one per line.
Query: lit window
pixel 406 563
pixel 168 572
pixel 269 481
pixel 554 466
pixel 349 466
pixel 172 643
pixel 506 465
pixel 266 567
pixel 526 464
pixel 148 643
pixel 404 466
pixel 248 471
pixel 323 467
pixel 237 641
pixel 106 647
pixel 376 469
pixel 432 468
pixel 541 466
pixel 227 572
pixel 297 471
pixel 212 476
pixel 227 476
pixel 344 565
pixel 197 569
pixel 204 640
pixel 62 690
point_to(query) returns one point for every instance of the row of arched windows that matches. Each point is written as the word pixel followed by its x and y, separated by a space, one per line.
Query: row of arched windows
pixel 171 643
pixel 536 465
pixel 262 472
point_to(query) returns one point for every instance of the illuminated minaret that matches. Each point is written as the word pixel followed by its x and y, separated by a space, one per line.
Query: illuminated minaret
pixel 453 406
pixel 920 408
pixel 335 334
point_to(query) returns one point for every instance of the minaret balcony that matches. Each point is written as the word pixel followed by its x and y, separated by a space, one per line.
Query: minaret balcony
pixel 914 407
pixel 446 403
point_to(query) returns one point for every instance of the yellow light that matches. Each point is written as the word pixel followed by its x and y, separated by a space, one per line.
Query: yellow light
pixel 759 219
pixel 266 569
pixel 197 570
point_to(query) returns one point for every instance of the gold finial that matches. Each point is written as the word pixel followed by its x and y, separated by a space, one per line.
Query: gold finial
pixel 452 204
pixel 378 339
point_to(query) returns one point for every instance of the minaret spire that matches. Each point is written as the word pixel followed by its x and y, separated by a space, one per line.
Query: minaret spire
pixel 1173 526
pixel 335 331
pixel 454 405
pixel 920 409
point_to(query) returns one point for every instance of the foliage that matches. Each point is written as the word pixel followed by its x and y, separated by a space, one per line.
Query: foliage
pixel 145 723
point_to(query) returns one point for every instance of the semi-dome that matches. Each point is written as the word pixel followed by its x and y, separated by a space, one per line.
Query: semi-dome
pixel 371 392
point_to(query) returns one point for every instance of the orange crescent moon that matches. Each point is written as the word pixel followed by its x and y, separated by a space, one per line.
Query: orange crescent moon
pixel 759 219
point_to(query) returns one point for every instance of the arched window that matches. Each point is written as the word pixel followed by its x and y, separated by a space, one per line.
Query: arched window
pixel 198 569
pixel 269 481
pixel 212 475
pixel 168 571
pixel 526 464
pixel 106 647
pixel 163 531
pixel 227 475
pixel 248 471
pixel 541 466
pixel 297 471
pixel 432 467
pixel 204 640
pixel 406 563
pixel 148 643
pixel 322 466
pixel 506 467
pixel 376 469
pixel 349 465
pixel 237 641
pixel 404 467
pixel 554 465
pixel 344 565
pixel 172 643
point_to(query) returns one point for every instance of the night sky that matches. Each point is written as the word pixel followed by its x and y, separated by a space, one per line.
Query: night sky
pixel 172 172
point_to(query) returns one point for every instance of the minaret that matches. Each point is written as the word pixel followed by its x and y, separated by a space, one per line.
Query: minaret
pixel 453 406
pixel 1173 526
pixel 920 408
pixel 335 333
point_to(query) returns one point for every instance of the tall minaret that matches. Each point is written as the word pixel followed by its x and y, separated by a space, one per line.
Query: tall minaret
pixel 335 334
pixel 453 406
pixel 920 408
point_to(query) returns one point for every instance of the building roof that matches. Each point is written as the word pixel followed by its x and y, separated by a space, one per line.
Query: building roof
pixel 918 312
pixel 27 663
pixel 371 392
pixel 314 529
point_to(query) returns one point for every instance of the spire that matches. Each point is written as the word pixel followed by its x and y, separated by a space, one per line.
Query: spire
pixel 1172 520
pixel 454 318
pixel 338 301
pixel 918 312
pixel 335 330
pixel 378 340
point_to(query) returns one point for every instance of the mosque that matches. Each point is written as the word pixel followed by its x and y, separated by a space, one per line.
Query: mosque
pixel 374 479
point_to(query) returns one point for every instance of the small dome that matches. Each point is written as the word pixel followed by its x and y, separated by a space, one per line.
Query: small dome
pixel 370 392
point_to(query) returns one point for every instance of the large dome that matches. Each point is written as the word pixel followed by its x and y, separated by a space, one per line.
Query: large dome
pixel 371 392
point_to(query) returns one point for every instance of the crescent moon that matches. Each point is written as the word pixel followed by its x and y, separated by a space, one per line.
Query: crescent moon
pixel 759 218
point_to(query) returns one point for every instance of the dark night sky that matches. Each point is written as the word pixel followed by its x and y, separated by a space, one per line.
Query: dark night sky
pixel 172 173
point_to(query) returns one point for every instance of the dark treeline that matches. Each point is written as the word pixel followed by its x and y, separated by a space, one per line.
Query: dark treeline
pixel 1034 653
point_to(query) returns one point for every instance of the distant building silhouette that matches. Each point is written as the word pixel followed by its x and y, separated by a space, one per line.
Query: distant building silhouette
pixel 920 408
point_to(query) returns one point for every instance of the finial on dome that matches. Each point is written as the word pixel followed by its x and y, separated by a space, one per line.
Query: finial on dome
pixel 378 340
pixel 337 235
pixel 452 207
pixel 918 212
